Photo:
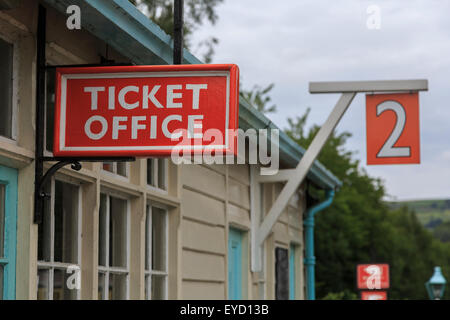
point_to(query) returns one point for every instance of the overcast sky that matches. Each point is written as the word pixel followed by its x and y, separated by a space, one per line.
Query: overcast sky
pixel 291 42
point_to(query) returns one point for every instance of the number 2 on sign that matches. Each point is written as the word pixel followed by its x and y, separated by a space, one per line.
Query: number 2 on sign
pixel 388 149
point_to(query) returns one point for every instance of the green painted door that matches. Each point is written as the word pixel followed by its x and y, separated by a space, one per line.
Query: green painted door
pixel 234 264
pixel 8 226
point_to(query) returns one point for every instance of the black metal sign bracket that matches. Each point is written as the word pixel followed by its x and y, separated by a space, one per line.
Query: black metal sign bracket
pixel 40 178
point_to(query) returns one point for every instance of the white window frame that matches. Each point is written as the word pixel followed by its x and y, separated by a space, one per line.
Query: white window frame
pixel 155 175
pixel 51 265
pixel 14 41
pixel 107 270
pixel 148 273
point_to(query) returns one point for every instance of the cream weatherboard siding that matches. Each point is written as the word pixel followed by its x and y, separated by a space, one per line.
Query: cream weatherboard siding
pixel 214 198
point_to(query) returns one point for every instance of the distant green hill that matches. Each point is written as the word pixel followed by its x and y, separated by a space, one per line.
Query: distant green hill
pixel 432 214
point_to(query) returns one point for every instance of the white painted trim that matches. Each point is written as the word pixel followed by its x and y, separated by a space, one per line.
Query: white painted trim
pixel 155 74
pixel 368 86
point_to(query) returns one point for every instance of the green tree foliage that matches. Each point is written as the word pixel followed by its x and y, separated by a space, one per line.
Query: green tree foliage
pixel 196 12
pixel 359 227
pixel 259 97
pixel 442 232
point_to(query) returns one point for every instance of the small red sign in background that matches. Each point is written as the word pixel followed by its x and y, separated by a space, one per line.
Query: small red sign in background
pixel 374 295
pixel 372 276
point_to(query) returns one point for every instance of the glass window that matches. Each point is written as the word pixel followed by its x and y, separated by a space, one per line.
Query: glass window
pixel 162 163
pixel 117 286
pixel 58 237
pixel 60 289
pixel 281 274
pixel 6 88
pixel 43 284
pixel 113 248
pixel 156 270
pixel 122 169
pixel 119 168
pixel 150 174
pixel 101 286
pixel 157 172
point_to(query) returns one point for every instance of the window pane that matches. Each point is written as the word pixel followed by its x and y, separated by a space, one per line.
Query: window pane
pixel 1 282
pixel 66 222
pixel 281 274
pixel 158 239
pixel 50 108
pixel 2 220
pixel 118 233
pixel 147 238
pixel 108 166
pixel 101 286
pixel 43 279
pixel 147 287
pixel 150 176
pixel 158 287
pixel 102 230
pixel 117 286
pixel 44 229
pixel 162 173
pixel 122 168
pixel 6 75
pixel 60 289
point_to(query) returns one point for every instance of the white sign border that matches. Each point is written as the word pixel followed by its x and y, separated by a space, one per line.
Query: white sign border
pixel 109 75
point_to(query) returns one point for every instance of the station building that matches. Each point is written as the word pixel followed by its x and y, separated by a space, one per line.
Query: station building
pixel 147 229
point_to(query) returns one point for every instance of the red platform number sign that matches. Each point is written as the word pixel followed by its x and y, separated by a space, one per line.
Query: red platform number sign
pixel 393 128
pixel 146 110
pixel 373 276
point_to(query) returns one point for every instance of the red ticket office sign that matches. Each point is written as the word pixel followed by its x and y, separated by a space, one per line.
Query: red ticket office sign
pixel 146 110
pixel 372 276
